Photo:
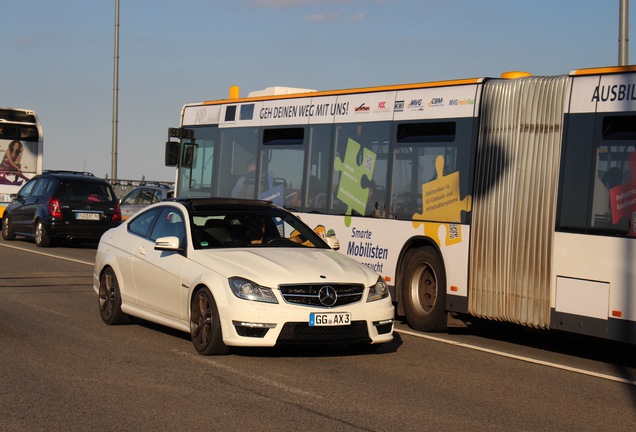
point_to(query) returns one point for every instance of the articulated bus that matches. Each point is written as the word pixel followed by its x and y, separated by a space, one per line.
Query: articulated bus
pixel 21 147
pixel 510 199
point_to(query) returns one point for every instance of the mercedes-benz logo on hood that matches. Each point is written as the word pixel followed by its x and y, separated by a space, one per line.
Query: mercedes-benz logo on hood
pixel 328 296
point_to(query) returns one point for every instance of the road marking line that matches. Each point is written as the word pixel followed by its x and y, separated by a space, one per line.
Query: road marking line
pixel 48 255
pixel 518 357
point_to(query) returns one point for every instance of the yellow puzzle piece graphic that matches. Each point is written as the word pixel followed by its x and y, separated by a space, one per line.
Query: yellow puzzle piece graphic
pixel 441 202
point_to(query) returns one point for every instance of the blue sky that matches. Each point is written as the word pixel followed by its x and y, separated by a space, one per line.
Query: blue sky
pixel 58 56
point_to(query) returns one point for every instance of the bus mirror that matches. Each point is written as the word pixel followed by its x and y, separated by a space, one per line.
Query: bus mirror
pixel 172 154
pixel 180 133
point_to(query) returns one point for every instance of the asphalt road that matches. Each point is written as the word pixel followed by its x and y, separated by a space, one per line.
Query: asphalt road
pixel 62 369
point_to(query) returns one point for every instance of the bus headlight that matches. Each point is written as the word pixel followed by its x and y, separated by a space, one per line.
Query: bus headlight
pixel 248 290
pixel 378 291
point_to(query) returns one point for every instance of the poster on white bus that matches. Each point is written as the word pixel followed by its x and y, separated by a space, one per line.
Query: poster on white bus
pixel 18 162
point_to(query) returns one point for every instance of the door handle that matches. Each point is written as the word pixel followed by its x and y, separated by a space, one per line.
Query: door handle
pixel 141 251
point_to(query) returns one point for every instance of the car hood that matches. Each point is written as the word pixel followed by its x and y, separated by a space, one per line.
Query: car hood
pixel 274 266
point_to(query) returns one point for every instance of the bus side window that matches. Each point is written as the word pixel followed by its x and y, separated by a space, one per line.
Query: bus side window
pixel 608 182
pixel 315 196
pixel 283 159
pixel 320 164
pixel 362 152
pixel 614 176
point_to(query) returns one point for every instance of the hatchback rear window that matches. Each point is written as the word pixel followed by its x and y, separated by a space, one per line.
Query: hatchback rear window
pixel 90 192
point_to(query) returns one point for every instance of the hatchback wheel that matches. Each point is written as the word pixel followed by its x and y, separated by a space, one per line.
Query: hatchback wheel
pixel 110 299
pixel 7 229
pixel 205 326
pixel 42 238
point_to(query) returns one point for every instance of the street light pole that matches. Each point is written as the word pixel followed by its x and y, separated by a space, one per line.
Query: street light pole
pixel 623 33
pixel 113 166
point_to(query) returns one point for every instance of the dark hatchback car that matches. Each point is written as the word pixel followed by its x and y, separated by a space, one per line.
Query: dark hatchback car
pixel 61 205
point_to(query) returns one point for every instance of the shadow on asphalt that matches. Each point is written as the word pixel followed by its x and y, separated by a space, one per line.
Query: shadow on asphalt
pixel 616 353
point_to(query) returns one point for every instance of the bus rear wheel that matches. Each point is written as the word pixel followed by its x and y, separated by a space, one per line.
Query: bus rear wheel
pixel 424 290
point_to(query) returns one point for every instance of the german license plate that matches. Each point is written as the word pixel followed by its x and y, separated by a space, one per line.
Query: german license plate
pixel 329 319
pixel 87 216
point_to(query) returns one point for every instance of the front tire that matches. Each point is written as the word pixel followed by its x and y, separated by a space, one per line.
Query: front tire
pixel 205 325
pixel 7 229
pixel 110 299
pixel 42 238
pixel 424 290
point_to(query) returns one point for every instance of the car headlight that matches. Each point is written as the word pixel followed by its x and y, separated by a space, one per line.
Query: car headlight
pixel 378 291
pixel 248 290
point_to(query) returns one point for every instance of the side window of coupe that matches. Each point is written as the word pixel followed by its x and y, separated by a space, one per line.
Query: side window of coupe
pixel 170 223
pixel 141 224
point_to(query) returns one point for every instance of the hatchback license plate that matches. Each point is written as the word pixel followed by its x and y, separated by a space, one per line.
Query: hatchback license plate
pixel 87 216
pixel 329 319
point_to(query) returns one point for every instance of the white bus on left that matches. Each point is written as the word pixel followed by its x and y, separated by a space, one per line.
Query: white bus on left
pixel 21 150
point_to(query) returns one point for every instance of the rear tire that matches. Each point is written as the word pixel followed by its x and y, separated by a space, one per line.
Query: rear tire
pixel 205 325
pixel 424 290
pixel 7 229
pixel 42 238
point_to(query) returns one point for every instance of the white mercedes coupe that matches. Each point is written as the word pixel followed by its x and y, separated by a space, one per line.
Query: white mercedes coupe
pixel 238 273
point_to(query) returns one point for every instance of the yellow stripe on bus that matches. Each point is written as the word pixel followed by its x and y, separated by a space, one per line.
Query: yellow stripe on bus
pixel 348 91
pixel 603 70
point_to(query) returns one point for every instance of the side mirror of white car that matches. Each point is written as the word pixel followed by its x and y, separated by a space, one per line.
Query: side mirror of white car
pixel 333 242
pixel 170 243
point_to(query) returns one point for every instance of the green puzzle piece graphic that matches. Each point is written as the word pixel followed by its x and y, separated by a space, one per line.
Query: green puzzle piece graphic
pixel 350 190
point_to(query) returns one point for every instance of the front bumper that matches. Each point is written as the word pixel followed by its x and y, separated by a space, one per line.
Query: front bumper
pixel 249 323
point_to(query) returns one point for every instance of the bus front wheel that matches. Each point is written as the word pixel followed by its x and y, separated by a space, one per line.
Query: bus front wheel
pixel 424 290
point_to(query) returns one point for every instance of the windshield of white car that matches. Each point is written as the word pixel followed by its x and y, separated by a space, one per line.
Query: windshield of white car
pixel 246 229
